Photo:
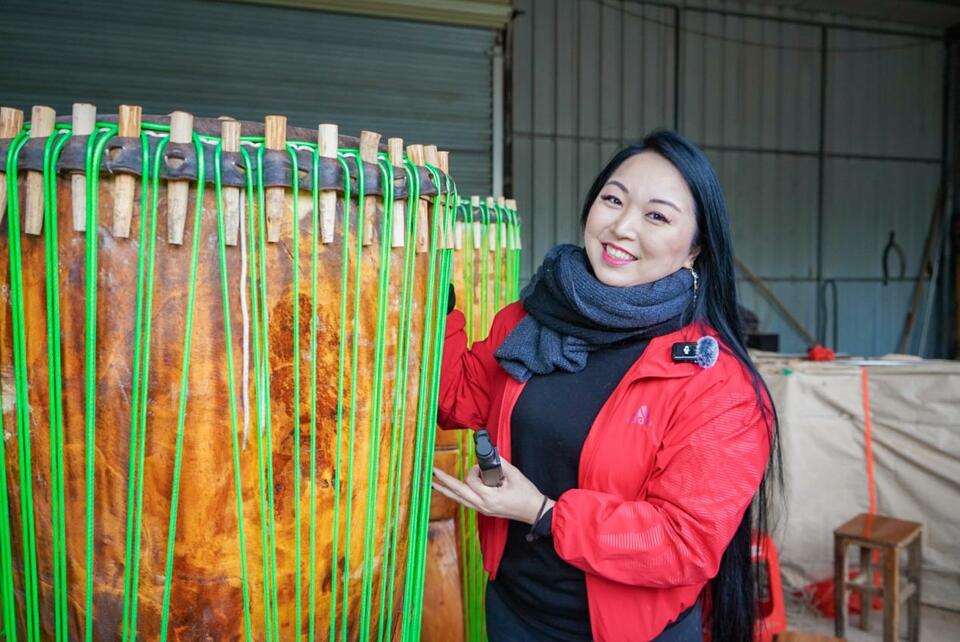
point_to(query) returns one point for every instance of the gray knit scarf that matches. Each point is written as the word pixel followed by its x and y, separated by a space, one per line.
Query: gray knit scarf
pixel 570 312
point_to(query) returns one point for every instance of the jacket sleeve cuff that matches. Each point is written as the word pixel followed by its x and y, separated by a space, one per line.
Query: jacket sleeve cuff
pixel 544 527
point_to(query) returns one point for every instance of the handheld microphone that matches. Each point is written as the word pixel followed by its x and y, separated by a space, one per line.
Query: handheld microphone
pixel 491 473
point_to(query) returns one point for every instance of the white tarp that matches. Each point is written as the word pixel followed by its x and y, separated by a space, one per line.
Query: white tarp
pixel 915 408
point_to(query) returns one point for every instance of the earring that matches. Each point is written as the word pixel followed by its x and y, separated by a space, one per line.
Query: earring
pixel 696 281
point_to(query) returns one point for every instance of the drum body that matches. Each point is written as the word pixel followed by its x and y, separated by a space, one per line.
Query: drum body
pixel 246 458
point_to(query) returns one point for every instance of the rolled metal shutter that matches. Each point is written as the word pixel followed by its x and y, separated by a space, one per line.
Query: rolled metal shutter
pixel 424 82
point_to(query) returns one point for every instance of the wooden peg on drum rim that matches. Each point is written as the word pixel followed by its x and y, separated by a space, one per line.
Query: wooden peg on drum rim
pixel 42 121
pixel 369 146
pixel 457 224
pixel 230 136
pixel 477 225
pixel 502 204
pixel 492 226
pixel 432 156
pixel 512 204
pixel 275 137
pixel 510 226
pixel 84 121
pixel 125 184
pixel 178 192
pixel 327 139
pixel 11 122
pixel 415 152
pixel 458 235
pixel 444 165
pixel 395 149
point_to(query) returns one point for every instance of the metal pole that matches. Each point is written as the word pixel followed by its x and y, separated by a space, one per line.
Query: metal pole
pixel 821 177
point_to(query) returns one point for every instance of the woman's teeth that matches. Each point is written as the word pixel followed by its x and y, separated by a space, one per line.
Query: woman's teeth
pixel 618 253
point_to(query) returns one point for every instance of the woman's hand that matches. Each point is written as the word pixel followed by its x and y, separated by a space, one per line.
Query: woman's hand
pixel 517 498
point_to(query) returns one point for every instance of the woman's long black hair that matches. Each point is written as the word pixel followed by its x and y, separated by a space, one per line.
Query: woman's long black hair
pixel 733 592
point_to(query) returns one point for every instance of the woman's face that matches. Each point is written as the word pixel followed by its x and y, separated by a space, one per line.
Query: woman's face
pixel 642 225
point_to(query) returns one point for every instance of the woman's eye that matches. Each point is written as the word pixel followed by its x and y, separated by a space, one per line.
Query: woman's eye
pixel 658 217
pixel 610 198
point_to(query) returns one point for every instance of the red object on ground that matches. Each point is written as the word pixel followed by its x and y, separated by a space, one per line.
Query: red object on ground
pixel 820 596
pixel 771 612
pixel 820 353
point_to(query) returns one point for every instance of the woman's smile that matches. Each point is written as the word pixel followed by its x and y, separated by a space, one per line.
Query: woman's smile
pixel 614 255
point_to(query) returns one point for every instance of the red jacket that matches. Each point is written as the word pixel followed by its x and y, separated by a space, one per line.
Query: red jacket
pixel 669 466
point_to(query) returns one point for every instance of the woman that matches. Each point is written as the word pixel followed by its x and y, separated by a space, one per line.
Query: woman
pixel 634 429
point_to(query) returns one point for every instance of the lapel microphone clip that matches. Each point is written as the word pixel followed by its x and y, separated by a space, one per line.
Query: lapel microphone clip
pixel 703 352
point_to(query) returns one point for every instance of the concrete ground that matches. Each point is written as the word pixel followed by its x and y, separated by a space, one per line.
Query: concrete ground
pixel 936 625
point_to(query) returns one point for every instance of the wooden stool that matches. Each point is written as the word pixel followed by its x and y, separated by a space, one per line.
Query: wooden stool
pixel 889 536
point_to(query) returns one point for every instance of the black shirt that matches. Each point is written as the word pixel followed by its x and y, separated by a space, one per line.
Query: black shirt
pixel 550 423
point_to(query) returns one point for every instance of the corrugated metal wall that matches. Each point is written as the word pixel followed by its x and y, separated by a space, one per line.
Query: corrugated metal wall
pixel 816 175
pixel 427 83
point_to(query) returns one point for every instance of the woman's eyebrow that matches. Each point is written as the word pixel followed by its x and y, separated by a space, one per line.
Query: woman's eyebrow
pixel 618 184
pixel 663 202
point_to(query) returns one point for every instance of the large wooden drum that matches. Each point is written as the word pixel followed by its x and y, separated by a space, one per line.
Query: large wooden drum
pixel 218 366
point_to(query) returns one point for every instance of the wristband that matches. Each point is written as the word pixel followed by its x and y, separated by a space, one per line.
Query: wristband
pixel 531 535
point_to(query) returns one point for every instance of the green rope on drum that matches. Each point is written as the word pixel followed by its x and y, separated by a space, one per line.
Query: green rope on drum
pixel 427 410
pixel 341 362
pixel 265 422
pixel 264 549
pixel 140 384
pixel 55 383
pixel 465 442
pixel 476 561
pixel 9 619
pixel 468 276
pixel 484 276
pixel 376 413
pixel 295 172
pixel 415 552
pixel 511 295
pixel 511 252
pixel 503 234
pixel 474 557
pixel 94 156
pixel 184 390
pixel 6 553
pixel 231 388
pixel 442 294
pixel 314 266
pixel 496 248
pixel 27 519
pixel 515 275
pixel 398 436
pixel 508 255
pixel 354 361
